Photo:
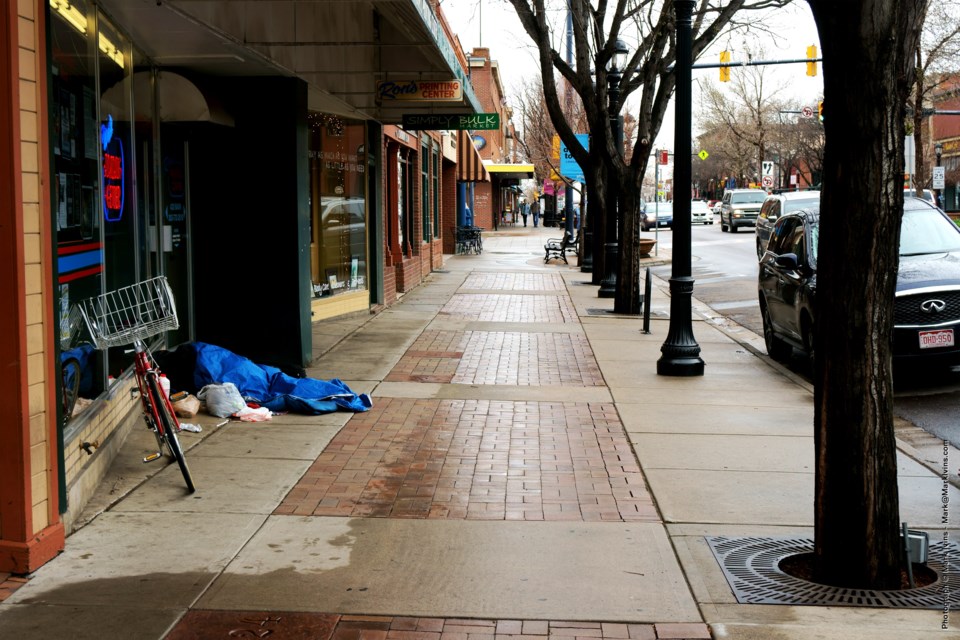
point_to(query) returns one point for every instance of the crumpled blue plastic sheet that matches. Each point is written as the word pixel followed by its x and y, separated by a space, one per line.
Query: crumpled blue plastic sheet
pixel 271 388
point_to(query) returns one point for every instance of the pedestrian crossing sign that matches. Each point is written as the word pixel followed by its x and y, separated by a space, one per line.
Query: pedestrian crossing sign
pixel 703 155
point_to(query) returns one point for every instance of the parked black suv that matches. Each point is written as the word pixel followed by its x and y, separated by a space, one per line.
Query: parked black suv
pixel 927 306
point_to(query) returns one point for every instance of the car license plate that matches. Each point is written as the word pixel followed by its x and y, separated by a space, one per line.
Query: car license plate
pixel 934 339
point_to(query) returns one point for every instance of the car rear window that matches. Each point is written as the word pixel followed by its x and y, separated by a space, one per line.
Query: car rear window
pixel 804 203
pixel 748 197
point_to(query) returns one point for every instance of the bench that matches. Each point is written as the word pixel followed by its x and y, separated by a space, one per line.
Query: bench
pixel 559 247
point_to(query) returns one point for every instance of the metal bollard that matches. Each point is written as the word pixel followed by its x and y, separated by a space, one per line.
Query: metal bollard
pixel 646 302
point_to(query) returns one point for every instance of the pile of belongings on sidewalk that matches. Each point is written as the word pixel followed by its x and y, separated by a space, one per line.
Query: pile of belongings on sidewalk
pixel 234 386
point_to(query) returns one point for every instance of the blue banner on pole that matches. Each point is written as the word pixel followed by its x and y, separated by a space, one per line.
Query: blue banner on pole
pixel 568 166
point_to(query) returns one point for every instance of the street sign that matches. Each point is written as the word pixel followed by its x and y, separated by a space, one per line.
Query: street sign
pixel 767 182
pixel 939 178
pixel 806 112
pixel 703 155
pixel 767 167
pixel 663 155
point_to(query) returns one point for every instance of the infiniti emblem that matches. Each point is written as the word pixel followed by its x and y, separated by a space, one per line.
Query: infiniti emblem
pixel 933 306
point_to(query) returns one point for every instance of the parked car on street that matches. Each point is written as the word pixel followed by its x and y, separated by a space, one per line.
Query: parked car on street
pixel 657 214
pixel 775 206
pixel 700 213
pixel 740 208
pixel 927 304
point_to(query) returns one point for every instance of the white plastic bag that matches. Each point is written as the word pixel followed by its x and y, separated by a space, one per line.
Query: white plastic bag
pixel 222 400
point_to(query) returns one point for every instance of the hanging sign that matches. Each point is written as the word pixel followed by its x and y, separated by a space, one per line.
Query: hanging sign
pixel 419 91
pixel 451 122
pixel 568 166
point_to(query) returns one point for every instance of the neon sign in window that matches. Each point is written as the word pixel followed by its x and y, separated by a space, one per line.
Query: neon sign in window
pixel 113 185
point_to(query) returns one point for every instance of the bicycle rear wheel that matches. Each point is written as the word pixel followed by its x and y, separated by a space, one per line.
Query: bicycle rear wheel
pixel 169 426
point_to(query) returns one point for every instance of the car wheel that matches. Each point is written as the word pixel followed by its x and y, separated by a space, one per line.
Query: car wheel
pixel 733 228
pixel 777 348
pixel 759 251
pixel 723 227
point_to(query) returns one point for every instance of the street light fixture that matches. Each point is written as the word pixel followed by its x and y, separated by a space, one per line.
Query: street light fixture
pixel 611 253
pixel 680 351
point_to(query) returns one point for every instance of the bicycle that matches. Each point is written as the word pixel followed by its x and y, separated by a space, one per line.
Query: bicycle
pixel 130 315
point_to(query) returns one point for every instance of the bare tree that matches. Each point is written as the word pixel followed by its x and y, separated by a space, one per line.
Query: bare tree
pixel 936 54
pixel 747 112
pixel 650 28
pixel 868 69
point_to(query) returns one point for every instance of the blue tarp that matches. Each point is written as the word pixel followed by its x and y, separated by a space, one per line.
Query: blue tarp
pixel 271 388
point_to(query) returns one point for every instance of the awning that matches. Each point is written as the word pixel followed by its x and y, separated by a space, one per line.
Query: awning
pixel 469 165
pixel 510 171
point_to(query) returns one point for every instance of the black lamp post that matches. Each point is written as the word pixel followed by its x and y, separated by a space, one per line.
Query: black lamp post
pixel 680 351
pixel 938 149
pixel 611 248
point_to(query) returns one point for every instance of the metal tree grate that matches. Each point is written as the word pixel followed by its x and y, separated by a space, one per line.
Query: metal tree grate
pixel 751 567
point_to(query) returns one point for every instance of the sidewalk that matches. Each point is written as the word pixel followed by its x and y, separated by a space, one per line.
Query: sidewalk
pixel 524 472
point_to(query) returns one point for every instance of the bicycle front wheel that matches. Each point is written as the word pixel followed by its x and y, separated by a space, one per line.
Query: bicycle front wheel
pixel 169 426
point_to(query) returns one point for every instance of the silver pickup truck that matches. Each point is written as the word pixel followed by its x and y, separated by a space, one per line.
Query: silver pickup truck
pixel 740 207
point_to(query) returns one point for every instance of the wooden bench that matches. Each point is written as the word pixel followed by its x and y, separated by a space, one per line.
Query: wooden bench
pixel 558 247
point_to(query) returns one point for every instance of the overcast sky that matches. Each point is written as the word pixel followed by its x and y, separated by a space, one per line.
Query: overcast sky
pixel 494 24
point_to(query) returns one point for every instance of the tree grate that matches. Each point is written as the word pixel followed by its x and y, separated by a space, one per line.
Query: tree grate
pixel 751 566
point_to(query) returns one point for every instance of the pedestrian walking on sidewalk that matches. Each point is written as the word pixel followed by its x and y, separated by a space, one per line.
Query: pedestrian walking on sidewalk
pixel 524 211
pixel 535 210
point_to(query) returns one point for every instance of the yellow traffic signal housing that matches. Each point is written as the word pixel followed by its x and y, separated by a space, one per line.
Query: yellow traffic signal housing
pixel 812 57
pixel 724 71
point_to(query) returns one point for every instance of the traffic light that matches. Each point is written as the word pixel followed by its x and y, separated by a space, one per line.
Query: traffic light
pixel 812 60
pixel 724 71
pixel 820 110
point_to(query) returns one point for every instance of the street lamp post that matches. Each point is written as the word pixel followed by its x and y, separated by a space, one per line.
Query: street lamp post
pixel 680 351
pixel 938 149
pixel 611 248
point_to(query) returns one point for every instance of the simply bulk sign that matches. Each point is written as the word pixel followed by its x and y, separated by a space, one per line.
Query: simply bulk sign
pixel 419 91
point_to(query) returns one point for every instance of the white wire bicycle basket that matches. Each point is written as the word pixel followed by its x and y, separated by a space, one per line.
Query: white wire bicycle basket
pixel 128 314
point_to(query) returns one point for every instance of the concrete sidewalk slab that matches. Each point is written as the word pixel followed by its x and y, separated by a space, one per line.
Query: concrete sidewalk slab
pixel 135 559
pixel 498 570
pixel 699 416
pixel 224 485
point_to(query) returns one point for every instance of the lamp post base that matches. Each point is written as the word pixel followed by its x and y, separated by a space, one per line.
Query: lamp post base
pixel 611 262
pixel 681 353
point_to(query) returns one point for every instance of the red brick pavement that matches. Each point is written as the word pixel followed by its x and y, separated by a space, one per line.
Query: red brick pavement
pixel 499 357
pixel 201 624
pixel 514 282
pixel 511 308
pixel 477 460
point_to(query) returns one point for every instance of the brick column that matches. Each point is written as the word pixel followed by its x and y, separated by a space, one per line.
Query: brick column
pixel 30 530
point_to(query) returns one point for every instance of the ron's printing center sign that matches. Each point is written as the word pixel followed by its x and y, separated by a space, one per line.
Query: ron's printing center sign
pixel 451 122
pixel 419 91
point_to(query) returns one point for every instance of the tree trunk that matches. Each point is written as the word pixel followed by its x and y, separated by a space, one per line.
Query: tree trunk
pixel 627 298
pixel 920 168
pixel 868 67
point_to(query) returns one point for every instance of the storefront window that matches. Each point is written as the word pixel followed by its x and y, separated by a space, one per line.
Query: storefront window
pixel 425 189
pixel 93 197
pixel 338 204
pixel 436 191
